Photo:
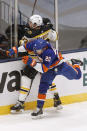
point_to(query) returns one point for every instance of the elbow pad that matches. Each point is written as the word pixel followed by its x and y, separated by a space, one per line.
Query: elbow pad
pixel 52 35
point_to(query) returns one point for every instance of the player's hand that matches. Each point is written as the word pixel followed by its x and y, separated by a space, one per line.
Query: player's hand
pixel 21 42
pixel 29 61
pixel 7 53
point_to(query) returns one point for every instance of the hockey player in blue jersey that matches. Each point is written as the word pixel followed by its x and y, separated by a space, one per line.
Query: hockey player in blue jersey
pixel 53 64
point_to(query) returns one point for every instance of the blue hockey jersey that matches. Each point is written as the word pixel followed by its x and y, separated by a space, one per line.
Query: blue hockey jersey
pixel 49 57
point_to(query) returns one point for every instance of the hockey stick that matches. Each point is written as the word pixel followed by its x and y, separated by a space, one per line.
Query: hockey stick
pixel 34 7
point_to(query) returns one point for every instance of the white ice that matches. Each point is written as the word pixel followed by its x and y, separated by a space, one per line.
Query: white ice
pixel 72 117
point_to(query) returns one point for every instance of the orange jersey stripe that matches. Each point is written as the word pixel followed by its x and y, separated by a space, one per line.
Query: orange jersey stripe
pixel 45 69
pixel 74 66
pixel 55 64
pixel 60 56
pixel 33 63
pixel 41 96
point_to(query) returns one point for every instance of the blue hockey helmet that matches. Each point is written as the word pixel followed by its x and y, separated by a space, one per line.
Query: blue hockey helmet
pixel 40 44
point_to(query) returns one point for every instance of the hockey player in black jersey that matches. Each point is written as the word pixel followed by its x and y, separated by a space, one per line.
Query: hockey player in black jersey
pixel 37 28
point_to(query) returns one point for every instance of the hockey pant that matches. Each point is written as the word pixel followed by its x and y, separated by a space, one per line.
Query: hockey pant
pixel 27 84
pixel 28 74
pixel 68 71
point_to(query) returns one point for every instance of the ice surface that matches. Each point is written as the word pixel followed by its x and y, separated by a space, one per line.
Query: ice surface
pixel 72 117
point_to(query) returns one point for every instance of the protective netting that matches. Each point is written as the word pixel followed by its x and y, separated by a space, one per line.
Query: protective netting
pixel 71 18
pixel 25 10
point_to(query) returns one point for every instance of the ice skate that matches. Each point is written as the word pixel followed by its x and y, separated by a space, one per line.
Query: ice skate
pixel 57 102
pixel 37 114
pixel 18 107
pixel 77 61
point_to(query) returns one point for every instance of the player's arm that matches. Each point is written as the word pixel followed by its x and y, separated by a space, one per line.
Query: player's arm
pixel 29 61
pixel 40 67
pixel 23 48
pixel 52 35
pixel 32 62
pixel 15 50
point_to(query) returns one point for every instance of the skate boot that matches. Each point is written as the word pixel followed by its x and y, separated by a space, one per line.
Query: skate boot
pixel 76 61
pixel 38 113
pixel 18 107
pixel 57 102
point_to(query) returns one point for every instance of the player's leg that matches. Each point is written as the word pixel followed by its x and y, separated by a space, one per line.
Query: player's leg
pixel 56 98
pixel 71 72
pixel 27 77
pixel 41 99
pixel 43 87
pixel 53 90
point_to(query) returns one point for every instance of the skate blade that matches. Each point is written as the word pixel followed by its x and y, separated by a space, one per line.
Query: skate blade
pixel 59 107
pixel 16 112
pixel 38 117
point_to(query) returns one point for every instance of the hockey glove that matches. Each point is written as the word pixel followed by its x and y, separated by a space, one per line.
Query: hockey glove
pixel 29 61
pixel 13 51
